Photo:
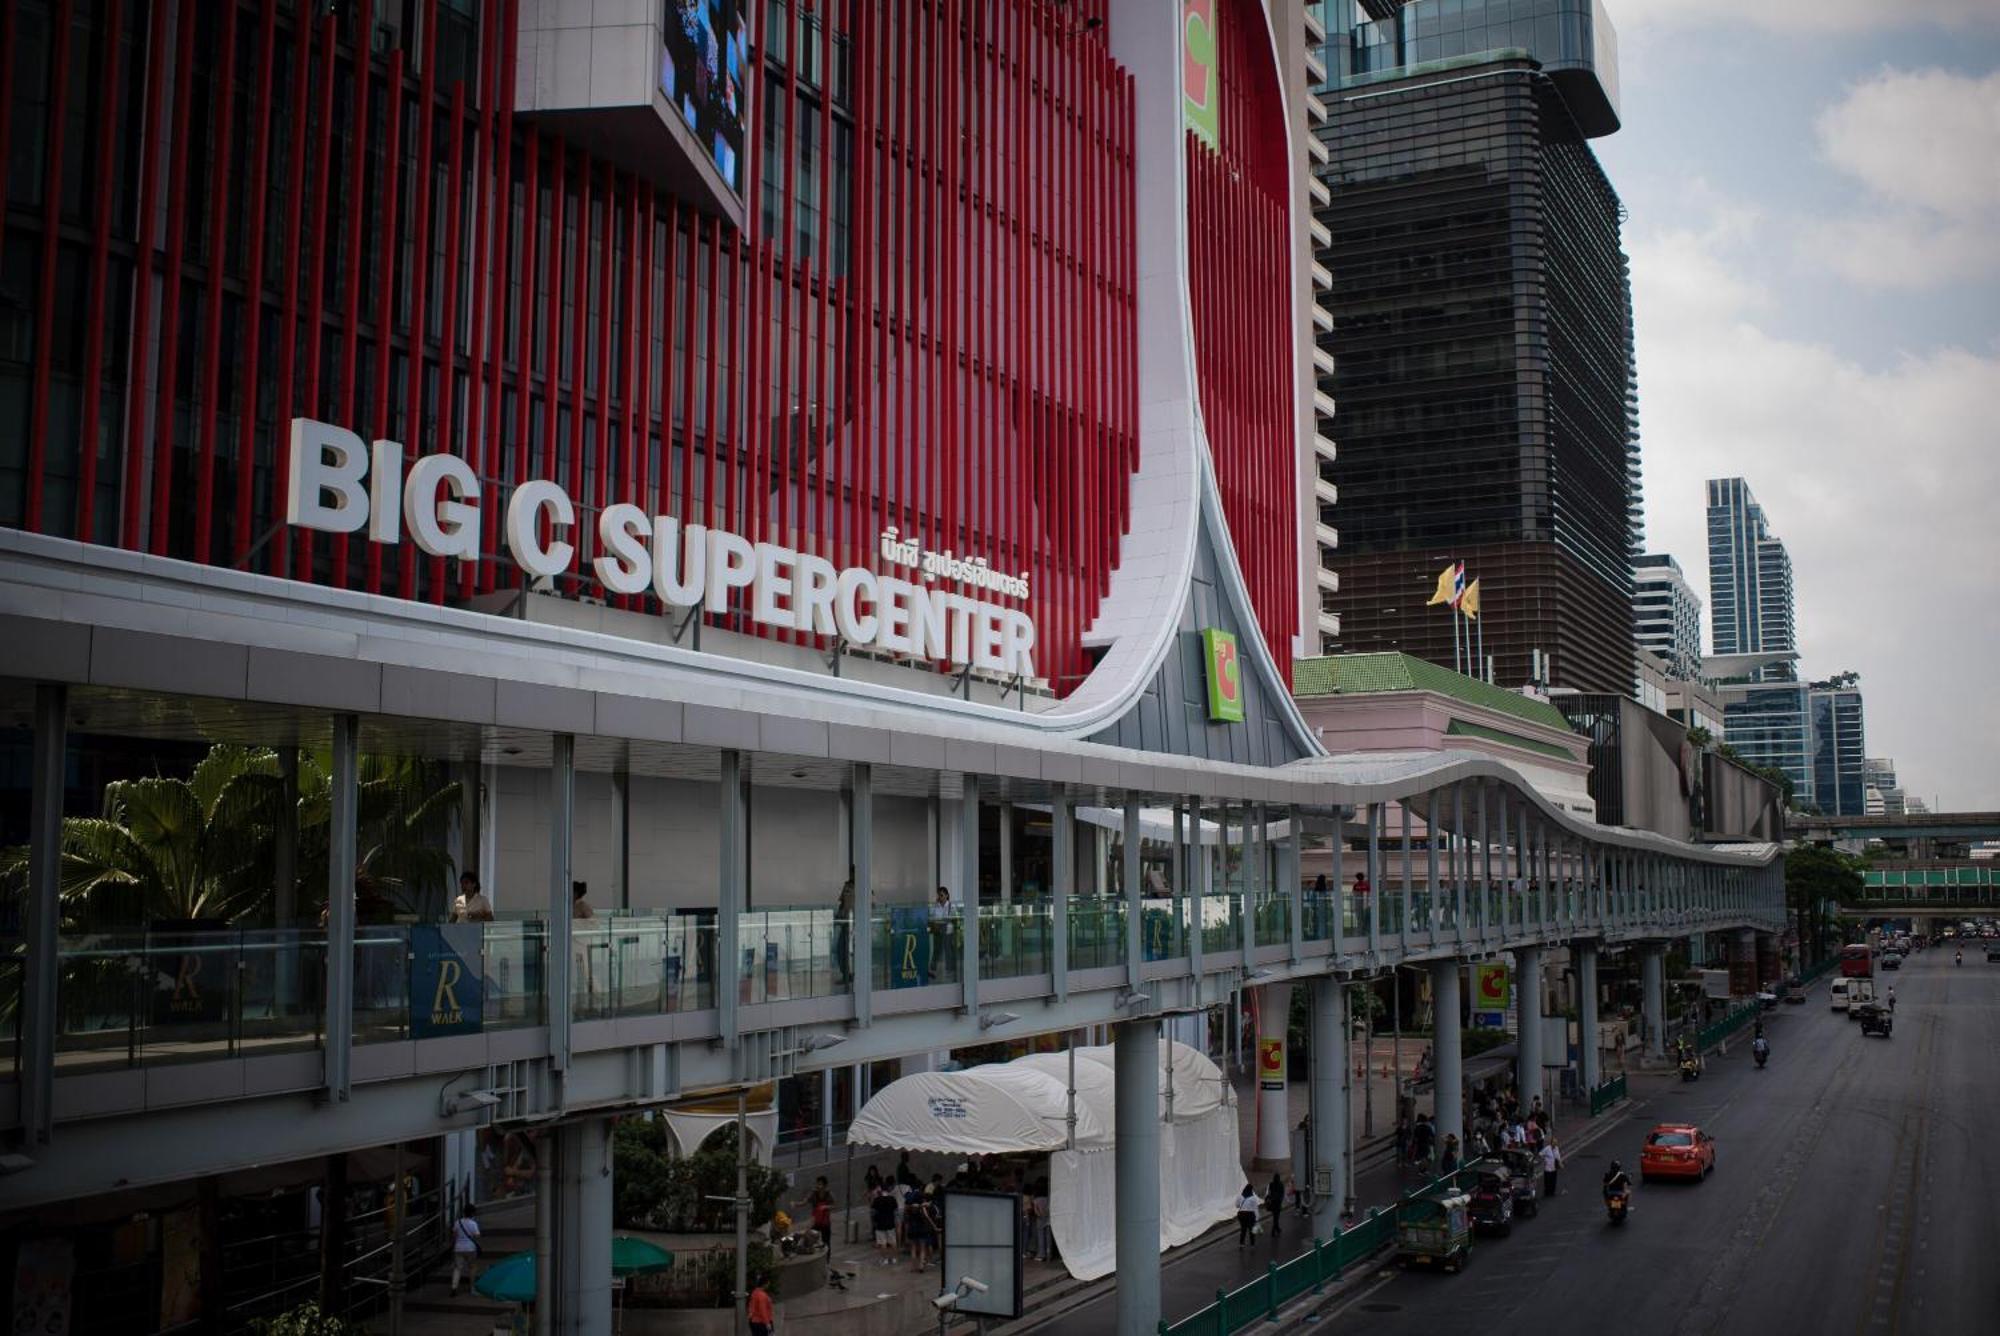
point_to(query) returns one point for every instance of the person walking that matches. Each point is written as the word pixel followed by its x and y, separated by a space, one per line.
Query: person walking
pixel 1274 1202
pixel 820 1199
pixel 1551 1161
pixel 843 934
pixel 920 1222
pixel 1247 1206
pixel 1448 1163
pixel 464 1246
pixel 472 906
pixel 762 1315
pixel 1044 1247
pixel 882 1219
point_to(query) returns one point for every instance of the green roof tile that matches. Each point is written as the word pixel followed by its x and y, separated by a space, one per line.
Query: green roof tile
pixel 1354 674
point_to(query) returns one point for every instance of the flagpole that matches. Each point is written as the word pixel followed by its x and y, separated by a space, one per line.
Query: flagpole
pixel 1482 673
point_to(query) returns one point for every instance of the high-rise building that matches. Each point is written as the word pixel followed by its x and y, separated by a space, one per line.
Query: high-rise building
pixel 1299 32
pixel 1839 766
pixel 1667 614
pixel 1770 724
pixel 1749 580
pixel 1881 795
pixel 1481 332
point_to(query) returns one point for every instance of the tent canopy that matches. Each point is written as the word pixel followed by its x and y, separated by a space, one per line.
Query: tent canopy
pixel 1008 1107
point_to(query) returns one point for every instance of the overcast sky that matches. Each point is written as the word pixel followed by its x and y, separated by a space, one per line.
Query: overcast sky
pixel 1814 188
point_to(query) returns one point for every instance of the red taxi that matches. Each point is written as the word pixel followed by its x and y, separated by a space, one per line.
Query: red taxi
pixel 1677 1150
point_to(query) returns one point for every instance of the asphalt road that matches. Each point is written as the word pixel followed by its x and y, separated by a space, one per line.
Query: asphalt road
pixel 1856 1193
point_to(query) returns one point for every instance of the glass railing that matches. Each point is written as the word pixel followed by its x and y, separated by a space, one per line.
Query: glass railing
pixel 1096 933
pixel 790 953
pixel 1221 922
pixel 1321 918
pixel 1271 920
pixel 1163 927
pixel 1016 939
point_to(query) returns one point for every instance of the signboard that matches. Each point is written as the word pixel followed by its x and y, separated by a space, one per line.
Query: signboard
pixel 340 485
pixel 194 967
pixel 1490 987
pixel 1157 933
pixel 909 947
pixel 1489 1020
pixel 447 979
pixel 701 73
pixel 982 1241
pixel 1198 78
pixel 1271 1064
pixel 1225 676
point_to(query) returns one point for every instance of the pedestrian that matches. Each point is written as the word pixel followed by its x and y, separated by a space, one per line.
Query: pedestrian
pixel 820 1199
pixel 1274 1202
pixel 882 1214
pixel 579 907
pixel 1537 1113
pixel 843 934
pixel 1044 1249
pixel 1551 1161
pixel 1247 1206
pixel 920 1222
pixel 906 1174
pixel 1449 1163
pixel 762 1316
pixel 472 906
pixel 1423 1139
pixel 871 1181
pixel 464 1246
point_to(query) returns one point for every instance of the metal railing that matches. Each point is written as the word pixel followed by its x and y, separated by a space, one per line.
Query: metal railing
pixel 1259 1300
pixel 1714 1033
pixel 1605 1095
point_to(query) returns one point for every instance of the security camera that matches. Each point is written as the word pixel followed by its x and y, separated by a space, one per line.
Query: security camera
pixel 968 1283
pixel 945 1302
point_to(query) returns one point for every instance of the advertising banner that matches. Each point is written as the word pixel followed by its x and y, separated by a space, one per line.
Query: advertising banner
pixel 1271 1064
pixel 1491 990
pixel 909 947
pixel 1199 112
pixel 1225 676
pixel 1157 933
pixel 447 979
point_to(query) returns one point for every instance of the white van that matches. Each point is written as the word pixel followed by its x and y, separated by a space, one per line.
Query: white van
pixel 1836 993
pixel 1860 992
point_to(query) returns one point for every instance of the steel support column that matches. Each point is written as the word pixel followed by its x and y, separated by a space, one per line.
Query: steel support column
pixel 1652 975
pixel 562 842
pixel 1448 1099
pixel 1134 892
pixel 343 800
pixel 968 877
pixel 861 935
pixel 1528 1022
pixel 1136 1161
pixel 582 1219
pixel 1062 875
pixel 43 914
pixel 730 872
pixel 1586 987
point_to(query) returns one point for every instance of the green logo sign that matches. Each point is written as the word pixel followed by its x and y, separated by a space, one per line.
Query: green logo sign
pixel 1225 676
pixel 1198 101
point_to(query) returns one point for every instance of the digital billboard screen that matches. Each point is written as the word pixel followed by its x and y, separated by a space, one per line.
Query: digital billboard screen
pixel 702 73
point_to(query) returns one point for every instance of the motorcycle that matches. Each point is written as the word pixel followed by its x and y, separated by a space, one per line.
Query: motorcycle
pixel 1762 1052
pixel 1690 1069
pixel 1617 1204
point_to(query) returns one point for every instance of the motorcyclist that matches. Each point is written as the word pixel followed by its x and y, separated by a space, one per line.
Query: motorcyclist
pixel 1958 956
pixel 1761 1047
pixel 1892 997
pixel 1616 1180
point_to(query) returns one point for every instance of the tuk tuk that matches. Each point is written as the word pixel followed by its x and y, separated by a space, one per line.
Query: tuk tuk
pixel 1435 1230
pixel 1524 1170
pixel 1875 1019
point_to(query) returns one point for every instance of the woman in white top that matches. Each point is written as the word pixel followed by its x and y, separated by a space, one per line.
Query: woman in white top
pixel 1247 1206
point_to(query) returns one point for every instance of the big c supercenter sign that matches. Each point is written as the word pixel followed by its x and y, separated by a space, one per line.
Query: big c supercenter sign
pixel 1491 994
pixel 340 485
pixel 1224 671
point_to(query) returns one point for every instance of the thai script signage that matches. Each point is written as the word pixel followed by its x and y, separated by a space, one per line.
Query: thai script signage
pixel 338 485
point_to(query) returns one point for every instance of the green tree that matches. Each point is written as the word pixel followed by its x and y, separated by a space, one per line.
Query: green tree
pixel 1818 878
pixel 305 1320
pixel 655 1191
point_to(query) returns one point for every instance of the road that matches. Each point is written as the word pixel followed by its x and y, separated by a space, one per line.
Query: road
pixel 1852 1195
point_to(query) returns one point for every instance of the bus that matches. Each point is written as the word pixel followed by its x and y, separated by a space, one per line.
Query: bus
pixel 1857 961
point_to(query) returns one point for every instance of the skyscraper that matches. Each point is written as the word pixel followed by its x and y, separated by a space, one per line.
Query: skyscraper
pixel 1749 579
pixel 1667 612
pixel 1839 741
pixel 1481 331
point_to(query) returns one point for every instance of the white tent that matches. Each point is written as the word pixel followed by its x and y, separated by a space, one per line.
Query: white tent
pixel 1024 1105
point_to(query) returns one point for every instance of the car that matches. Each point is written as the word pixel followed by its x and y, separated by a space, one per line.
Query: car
pixel 1891 961
pixel 1875 1019
pixel 1836 994
pixel 1677 1150
pixel 1992 954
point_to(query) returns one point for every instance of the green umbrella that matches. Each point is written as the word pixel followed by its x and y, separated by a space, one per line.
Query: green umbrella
pixel 512 1278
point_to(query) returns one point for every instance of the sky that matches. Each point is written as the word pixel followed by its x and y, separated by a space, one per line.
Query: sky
pixel 1814 198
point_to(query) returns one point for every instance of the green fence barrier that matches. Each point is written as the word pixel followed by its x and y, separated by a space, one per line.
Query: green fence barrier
pixel 1259 1300
pixel 1609 1093
pixel 1711 1035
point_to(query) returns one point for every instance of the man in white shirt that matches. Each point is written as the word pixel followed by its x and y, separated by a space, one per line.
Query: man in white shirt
pixel 464 1246
pixel 1551 1161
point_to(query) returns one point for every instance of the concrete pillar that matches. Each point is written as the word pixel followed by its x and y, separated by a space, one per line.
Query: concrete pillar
pixel 968 894
pixel 1445 1060
pixel 861 855
pixel 1653 986
pixel 1133 891
pixel 1274 1137
pixel 729 894
pixel 562 836
pixel 42 913
pixel 1329 1113
pixel 1136 1123
pixel 582 1226
pixel 1586 984
pixel 1062 878
pixel 1528 1021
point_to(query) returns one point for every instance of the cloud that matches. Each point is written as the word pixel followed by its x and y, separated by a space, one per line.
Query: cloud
pixel 1878 475
pixel 1925 147
pixel 1799 17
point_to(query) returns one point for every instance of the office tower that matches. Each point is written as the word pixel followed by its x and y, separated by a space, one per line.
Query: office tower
pixel 1749 580
pixel 1839 767
pixel 1667 614
pixel 1482 333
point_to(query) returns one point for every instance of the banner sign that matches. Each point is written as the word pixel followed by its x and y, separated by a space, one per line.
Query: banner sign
pixel 1199 110
pixel 1225 676
pixel 909 947
pixel 1271 1064
pixel 1490 987
pixel 335 488
pixel 447 979
pixel 1157 933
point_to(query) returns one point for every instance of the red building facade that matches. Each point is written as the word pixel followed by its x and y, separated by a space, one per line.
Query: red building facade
pixel 222 217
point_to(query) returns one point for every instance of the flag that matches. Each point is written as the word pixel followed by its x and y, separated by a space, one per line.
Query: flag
pixel 1451 585
pixel 1468 603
